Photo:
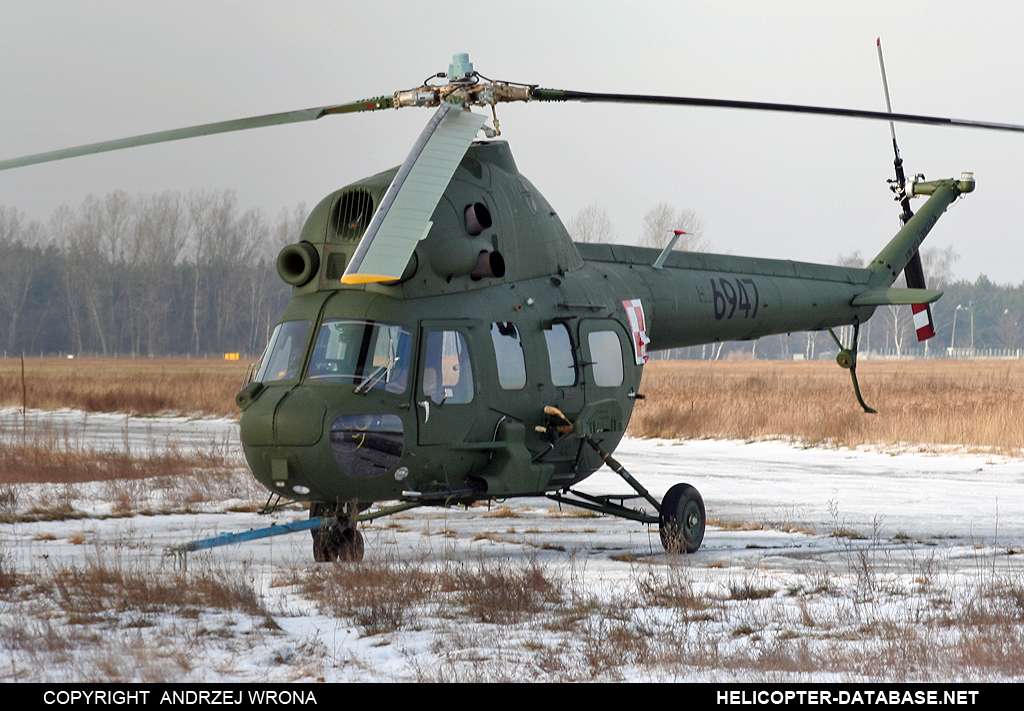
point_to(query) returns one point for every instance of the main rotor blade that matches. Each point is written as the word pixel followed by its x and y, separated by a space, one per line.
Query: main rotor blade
pixel 381 102
pixel 403 217
pixel 560 95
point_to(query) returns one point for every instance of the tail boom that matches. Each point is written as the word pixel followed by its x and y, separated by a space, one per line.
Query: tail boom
pixel 902 247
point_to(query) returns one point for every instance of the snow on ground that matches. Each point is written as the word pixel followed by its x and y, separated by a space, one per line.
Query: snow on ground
pixel 824 564
pixel 142 435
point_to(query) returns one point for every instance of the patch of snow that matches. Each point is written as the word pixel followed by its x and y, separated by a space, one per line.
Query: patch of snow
pixel 811 547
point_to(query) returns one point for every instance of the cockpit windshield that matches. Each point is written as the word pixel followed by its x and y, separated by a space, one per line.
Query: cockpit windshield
pixel 284 354
pixel 367 353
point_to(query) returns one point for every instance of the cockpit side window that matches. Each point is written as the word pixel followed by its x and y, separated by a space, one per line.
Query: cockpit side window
pixel 508 351
pixel 560 355
pixel 447 370
pixel 284 354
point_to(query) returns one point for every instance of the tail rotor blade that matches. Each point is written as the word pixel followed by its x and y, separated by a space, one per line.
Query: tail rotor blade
pixel 923 323
pixel 914 271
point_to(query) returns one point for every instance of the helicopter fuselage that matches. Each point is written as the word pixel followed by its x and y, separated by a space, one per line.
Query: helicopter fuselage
pixel 433 387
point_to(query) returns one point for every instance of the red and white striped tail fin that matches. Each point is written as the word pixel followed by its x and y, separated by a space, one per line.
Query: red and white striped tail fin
pixel 923 321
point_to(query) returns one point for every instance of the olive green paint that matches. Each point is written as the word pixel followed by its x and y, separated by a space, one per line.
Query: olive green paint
pixel 502 443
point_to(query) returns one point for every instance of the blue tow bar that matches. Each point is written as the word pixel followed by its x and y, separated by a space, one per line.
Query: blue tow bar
pixel 225 539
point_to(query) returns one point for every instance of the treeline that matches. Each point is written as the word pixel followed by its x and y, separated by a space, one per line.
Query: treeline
pixel 194 274
pixel 146 275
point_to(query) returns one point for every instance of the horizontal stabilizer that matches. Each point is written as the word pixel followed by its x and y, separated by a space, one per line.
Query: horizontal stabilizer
pixel 894 297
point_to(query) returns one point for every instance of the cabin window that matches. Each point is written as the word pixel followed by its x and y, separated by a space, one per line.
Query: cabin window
pixel 508 351
pixel 447 371
pixel 560 355
pixel 606 354
pixel 284 353
pixel 367 353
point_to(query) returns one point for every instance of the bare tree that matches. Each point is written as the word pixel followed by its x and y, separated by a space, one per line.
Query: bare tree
pixel 1009 331
pixel 96 243
pixel 854 259
pixel 10 224
pixel 210 218
pixel 155 246
pixel 20 260
pixel 899 326
pixel 938 266
pixel 663 219
pixel 288 229
pixel 592 225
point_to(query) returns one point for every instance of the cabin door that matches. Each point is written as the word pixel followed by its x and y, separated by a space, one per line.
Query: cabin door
pixel 446 387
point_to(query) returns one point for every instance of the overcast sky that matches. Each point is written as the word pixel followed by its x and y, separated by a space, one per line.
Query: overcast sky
pixel 795 187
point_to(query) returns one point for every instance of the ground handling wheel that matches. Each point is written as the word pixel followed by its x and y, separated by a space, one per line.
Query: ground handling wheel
pixel 682 519
pixel 339 542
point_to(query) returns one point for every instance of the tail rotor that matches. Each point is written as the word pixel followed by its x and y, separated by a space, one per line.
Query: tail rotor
pixel 914 271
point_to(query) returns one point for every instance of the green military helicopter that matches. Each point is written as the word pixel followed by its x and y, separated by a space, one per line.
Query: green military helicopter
pixel 447 342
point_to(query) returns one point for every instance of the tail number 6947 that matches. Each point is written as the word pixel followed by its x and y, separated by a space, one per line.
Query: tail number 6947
pixel 732 295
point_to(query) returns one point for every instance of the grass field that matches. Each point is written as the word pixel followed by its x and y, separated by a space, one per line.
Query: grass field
pixel 139 386
pixel 978 404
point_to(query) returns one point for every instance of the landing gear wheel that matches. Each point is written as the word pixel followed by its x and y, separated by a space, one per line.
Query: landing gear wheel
pixel 682 519
pixel 343 543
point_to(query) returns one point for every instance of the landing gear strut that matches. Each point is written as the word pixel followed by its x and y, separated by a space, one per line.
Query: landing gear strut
pixel 681 516
pixel 341 541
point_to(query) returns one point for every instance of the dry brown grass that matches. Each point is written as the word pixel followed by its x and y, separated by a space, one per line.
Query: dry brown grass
pixel 139 386
pixel 47 455
pixel 144 387
pixel 662 623
pixel 978 404
pixel 150 480
pixel 63 461
pixel 382 598
pixel 113 617
pixel 106 587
